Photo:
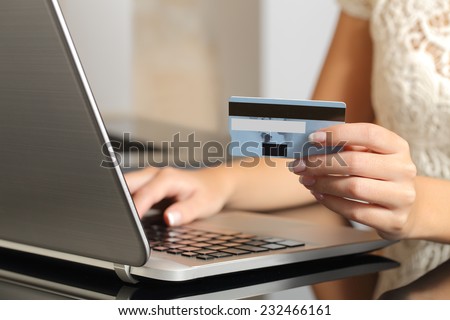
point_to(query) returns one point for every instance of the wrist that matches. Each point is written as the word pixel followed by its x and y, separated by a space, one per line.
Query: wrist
pixel 429 217
pixel 223 180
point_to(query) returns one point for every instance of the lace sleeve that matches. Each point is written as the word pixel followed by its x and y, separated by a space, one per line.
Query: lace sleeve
pixel 357 8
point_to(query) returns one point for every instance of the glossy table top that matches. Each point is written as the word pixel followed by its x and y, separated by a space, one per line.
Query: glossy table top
pixel 435 285
pixel 26 276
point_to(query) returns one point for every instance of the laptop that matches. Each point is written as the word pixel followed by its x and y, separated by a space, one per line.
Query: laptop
pixel 57 200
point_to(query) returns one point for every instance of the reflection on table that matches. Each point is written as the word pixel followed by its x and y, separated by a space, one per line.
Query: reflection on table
pixel 433 285
pixel 27 276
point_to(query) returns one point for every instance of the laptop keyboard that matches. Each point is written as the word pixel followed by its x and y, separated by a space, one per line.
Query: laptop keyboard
pixel 204 245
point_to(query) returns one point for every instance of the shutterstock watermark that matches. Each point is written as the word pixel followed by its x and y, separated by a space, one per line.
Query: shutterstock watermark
pixel 189 153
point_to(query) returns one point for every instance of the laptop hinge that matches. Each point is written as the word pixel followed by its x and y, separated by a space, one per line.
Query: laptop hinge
pixel 123 272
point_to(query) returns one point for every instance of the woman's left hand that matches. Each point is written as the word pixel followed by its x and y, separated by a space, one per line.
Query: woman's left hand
pixel 375 169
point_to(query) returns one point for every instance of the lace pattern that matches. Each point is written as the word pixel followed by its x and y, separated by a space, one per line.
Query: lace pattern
pixel 411 96
pixel 361 9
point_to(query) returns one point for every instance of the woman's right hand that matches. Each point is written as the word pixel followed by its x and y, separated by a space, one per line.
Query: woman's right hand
pixel 197 193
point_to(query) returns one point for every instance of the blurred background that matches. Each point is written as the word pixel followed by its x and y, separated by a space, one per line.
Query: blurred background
pixel 170 64
pixel 178 61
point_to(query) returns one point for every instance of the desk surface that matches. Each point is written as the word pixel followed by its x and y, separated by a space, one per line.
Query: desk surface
pixel 24 276
pixel 27 276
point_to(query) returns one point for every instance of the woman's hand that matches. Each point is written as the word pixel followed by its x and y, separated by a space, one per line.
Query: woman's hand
pixel 197 194
pixel 375 169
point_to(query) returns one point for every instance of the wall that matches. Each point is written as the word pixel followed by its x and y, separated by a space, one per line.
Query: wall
pixel 182 69
pixel 295 39
pixel 191 55
pixel 102 32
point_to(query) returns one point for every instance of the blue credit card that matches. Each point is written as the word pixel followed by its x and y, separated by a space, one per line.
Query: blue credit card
pixel 261 127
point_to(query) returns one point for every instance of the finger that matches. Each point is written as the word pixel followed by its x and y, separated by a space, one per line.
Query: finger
pixel 160 187
pixel 363 164
pixel 383 193
pixel 356 148
pixel 187 211
pixel 136 179
pixel 387 223
pixel 366 135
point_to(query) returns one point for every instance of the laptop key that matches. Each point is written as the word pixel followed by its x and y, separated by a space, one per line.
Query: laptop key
pixel 216 247
pixel 172 234
pixel 272 240
pixel 291 243
pixel 189 254
pixel 205 252
pixel 255 243
pixel 201 239
pixel 231 244
pixel 186 236
pixel 186 242
pixel 211 235
pixel 221 254
pixel 205 257
pixel 273 246
pixel 235 251
pixel 188 249
pixel 175 251
pixel 253 248
pixel 201 244
pixel 156 244
pixel 160 248
pixel 226 238
pixel 242 240
pixel 174 245
pixel 216 241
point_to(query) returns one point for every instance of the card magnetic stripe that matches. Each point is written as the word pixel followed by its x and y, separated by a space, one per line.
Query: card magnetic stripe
pixel 242 109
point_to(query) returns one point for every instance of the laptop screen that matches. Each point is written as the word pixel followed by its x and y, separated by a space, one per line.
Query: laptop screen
pixel 54 193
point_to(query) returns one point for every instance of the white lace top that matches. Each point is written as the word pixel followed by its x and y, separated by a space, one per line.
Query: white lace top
pixel 411 96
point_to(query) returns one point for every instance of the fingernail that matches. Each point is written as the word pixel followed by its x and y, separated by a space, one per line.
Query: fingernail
pixel 307 181
pixel 318 196
pixel 174 218
pixel 291 165
pixel 297 166
pixel 318 137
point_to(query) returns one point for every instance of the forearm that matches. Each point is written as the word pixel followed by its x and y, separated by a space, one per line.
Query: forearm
pixel 264 186
pixel 431 212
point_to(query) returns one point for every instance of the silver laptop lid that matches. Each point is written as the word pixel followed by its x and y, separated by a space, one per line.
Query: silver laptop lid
pixel 54 194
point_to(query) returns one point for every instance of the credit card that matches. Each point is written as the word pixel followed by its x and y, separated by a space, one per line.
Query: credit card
pixel 261 127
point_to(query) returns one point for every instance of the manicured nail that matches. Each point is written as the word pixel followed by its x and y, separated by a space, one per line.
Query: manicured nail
pixel 318 137
pixel 291 165
pixel 174 218
pixel 307 181
pixel 319 197
pixel 297 166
